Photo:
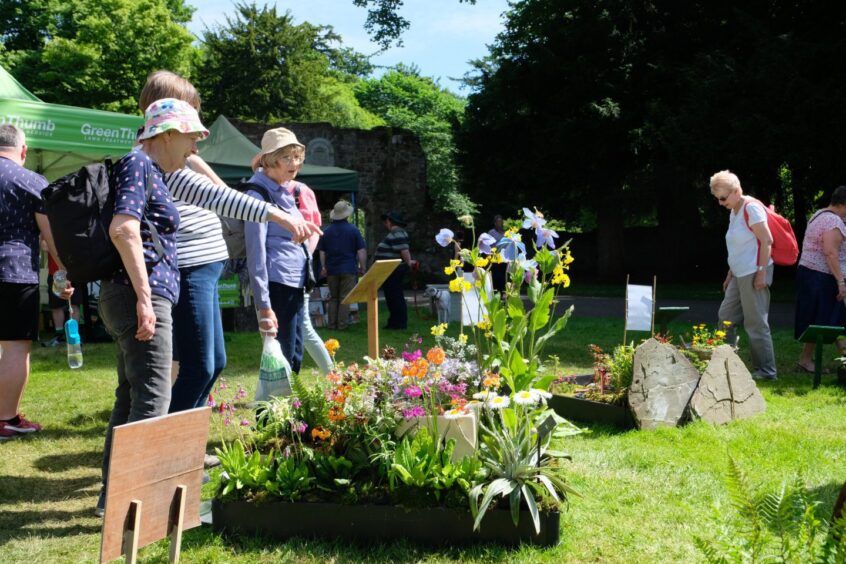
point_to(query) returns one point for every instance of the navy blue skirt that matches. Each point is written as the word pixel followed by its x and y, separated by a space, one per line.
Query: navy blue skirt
pixel 816 301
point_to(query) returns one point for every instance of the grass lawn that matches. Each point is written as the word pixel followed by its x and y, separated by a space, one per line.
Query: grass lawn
pixel 644 494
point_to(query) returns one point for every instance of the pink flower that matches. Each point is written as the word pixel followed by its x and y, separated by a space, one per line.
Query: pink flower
pixel 227 421
pixel 295 403
pixel 411 357
pixel 242 393
pixel 222 385
pixel 211 402
pixel 245 423
pixel 416 411
pixel 413 392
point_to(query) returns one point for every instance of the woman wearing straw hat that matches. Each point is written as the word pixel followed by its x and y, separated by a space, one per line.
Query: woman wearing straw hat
pixel 276 263
pixel 136 303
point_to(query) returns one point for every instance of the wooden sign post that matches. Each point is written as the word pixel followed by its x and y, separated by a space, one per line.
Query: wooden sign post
pixel 367 290
pixel 153 487
pixel 819 335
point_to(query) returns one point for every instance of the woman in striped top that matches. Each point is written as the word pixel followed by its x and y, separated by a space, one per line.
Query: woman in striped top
pixel 200 197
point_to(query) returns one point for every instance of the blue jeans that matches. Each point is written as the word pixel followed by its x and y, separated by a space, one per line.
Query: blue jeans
pixel 143 368
pixel 287 303
pixel 197 336
pixel 314 344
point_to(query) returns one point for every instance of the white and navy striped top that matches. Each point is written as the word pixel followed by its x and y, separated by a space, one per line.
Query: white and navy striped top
pixel 199 239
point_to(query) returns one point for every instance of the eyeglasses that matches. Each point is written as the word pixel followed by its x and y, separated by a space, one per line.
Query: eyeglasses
pixel 291 159
pixel 723 198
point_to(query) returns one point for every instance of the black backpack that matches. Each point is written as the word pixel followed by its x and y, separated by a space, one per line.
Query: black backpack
pixel 80 207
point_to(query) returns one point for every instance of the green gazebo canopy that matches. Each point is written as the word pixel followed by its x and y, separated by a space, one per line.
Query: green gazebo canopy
pixel 229 153
pixel 63 138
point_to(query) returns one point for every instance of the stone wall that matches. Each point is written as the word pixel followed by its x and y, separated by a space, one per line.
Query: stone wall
pixel 392 175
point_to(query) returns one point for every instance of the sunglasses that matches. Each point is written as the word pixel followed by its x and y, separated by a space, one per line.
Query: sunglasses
pixel 723 198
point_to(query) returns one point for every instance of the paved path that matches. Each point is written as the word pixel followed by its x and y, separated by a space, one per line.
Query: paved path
pixel 781 314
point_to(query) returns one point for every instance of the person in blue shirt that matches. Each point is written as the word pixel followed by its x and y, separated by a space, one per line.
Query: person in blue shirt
pixel 22 220
pixel 343 255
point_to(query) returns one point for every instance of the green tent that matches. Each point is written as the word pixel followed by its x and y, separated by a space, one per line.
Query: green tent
pixel 63 138
pixel 229 153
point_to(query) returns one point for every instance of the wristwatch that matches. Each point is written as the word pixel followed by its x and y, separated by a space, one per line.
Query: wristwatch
pixel 760 268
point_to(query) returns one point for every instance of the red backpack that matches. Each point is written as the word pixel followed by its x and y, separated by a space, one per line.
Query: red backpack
pixel 785 249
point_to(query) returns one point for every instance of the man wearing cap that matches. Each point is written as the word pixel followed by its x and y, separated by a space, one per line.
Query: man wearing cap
pixel 343 255
pixel 395 246
pixel 22 219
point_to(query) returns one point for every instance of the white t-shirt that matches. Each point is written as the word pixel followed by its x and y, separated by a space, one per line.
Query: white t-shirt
pixel 741 242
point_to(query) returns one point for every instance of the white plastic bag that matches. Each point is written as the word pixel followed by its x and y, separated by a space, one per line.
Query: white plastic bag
pixel 274 371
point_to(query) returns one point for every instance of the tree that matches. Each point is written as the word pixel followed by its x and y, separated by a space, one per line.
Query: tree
pixel 94 53
pixel 622 109
pixel 384 23
pixel 261 66
pixel 405 99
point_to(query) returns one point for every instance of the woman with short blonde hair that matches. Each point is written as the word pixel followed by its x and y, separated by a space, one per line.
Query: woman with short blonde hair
pixel 747 284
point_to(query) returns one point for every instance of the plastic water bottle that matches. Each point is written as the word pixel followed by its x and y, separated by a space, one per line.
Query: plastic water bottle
pixel 60 280
pixel 74 343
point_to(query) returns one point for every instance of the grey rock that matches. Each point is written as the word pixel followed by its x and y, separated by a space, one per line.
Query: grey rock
pixel 662 384
pixel 726 391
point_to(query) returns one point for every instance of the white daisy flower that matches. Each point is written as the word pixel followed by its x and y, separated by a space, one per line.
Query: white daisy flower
pixel 499 402
pixel 453 414
pixel 542 393
pixel 526 397
pixel 484 395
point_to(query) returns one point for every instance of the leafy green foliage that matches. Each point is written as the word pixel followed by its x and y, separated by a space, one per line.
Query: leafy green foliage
pixel 775 526
pixel 95 53
pixel 403 98
pixel 517 466
pixel 621 366
pixel 384 23
pixel 424 462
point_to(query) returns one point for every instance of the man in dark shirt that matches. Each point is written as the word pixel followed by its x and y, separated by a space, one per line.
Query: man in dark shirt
pixel 343 255
pixel 395 246
pixel 22 220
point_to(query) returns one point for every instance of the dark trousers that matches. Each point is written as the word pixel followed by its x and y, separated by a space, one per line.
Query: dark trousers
pixel 395 299
pixel 143 368
pixel 197 336
pixel 287 304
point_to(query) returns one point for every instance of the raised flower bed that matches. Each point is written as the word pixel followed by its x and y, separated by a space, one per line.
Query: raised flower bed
pixel 449 445
pixel 367 523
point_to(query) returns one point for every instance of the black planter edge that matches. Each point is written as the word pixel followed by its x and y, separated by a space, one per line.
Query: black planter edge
pixel 588 411
pixel 435 526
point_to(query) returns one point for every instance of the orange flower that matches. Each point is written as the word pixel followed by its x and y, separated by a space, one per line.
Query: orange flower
pixel 436 355
pixel 320 433
pixel 336 414
pixel 491 380
pixel 333 377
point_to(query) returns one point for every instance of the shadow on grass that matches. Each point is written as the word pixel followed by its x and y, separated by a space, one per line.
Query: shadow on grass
pixel 826 494
pixel 18 489
pixel 69 460
pixel 29 524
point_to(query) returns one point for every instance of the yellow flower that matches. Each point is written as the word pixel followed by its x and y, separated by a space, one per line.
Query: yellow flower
pixel 462 338
pixel 568 258
pixel 449 270
pixel 482 262
pixel 510 233
pixel 332 345
pixel 456 284
pixel 727 323
pixel 454 262
pixel 466 285
pixel 720 334
pixel 496 258
pixel 484 324
pixel 439 330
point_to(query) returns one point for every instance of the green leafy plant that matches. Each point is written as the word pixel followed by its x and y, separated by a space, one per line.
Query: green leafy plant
pixel 779 526
pixel 290 479
pixel 518 467
pixel 423 461
pixel 242 471
pixel 511 336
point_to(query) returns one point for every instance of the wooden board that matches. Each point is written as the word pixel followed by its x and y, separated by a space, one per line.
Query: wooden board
pixel 149 460
pixel 372 279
